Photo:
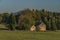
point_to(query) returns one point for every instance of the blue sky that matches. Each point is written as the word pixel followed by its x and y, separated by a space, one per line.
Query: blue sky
pixel 16 5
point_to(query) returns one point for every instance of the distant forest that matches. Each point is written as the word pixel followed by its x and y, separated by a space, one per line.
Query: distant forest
pixel 24 19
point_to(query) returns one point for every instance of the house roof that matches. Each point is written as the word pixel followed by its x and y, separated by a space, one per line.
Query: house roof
pixel 38 23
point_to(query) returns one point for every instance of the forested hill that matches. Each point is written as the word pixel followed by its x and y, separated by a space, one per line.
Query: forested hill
pixel 26 18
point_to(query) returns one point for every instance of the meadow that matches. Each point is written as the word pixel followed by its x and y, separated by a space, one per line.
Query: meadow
pixel 26 35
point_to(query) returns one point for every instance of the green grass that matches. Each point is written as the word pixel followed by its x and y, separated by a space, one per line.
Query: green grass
pixel 26 35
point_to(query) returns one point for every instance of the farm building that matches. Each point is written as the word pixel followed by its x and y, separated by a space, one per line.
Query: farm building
pixel 38 27
pixel 33 28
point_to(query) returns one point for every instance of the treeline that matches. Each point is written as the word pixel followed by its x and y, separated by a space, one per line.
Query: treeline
pixel 24 19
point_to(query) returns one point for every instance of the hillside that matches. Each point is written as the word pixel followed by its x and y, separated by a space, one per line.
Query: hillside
pixel 26 18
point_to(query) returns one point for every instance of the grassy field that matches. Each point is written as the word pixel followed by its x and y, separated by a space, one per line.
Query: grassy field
pixel 26 35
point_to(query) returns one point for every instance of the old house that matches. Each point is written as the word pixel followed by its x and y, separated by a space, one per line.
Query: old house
pixel 38 27
pixel 33 28
pixel 41 27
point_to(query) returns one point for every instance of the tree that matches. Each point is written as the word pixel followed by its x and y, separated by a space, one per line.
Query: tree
pixel 1 18
pixel 12 21
pixel 5 18
pixel 54 27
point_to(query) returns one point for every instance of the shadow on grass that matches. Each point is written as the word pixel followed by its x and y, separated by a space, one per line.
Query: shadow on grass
pixel 3 29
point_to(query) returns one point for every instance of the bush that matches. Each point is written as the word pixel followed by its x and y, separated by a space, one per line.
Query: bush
pixel 10 27
pixel 18 28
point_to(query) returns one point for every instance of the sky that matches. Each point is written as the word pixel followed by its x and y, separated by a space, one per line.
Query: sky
pixel 17 5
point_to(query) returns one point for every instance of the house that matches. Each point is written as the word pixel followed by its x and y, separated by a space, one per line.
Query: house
pixel 33 28
pixel 41 27
pixel 38 27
